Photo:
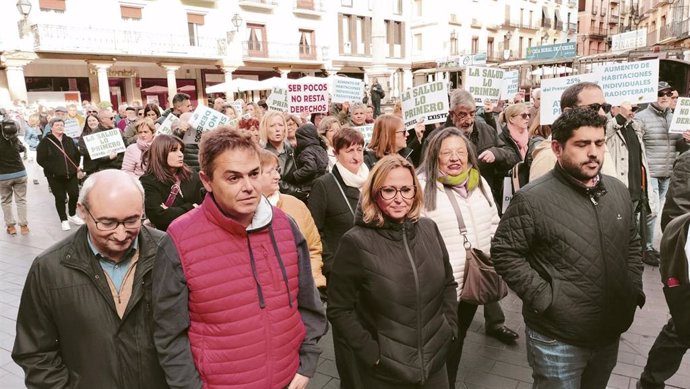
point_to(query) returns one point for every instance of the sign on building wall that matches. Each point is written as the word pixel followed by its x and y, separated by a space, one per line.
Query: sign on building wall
pixel 428 102
pixel 550 52
pixel 460 61
pixel 629 40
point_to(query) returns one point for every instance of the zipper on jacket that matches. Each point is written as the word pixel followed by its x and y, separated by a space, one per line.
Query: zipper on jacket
pixel 601 240
pixel 419 303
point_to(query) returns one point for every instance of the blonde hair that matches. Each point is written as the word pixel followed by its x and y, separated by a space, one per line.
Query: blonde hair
pixel 263 126
pixel 148 122
pixel 514 110
pixel 383 137
pixel 370 210
pixel 34 120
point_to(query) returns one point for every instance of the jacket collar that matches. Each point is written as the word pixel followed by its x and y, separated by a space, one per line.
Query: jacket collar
pixel 657 110
pixel 390 230
pixel 262 216
pixel 593 193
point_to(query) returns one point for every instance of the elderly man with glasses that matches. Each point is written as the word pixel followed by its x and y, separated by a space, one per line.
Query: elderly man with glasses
pixel 85 317
pixel 661 153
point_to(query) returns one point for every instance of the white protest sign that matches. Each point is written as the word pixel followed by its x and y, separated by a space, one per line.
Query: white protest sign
pixel 347 89
pixel 484 83
pixel 238 108
pixel 166 125
pixel 277 101
pixel 551 90
pixel 72 128
pixel 104 143
pixel 427 102
pixel 307 96
pixel 635 82
pixel 510 84
pixel 367 131
pixel 681 116
pixel 204 119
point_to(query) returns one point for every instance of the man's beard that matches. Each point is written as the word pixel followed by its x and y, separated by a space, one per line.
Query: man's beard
pixel 578 171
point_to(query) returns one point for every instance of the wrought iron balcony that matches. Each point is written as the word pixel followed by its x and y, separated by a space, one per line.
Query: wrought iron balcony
pixel 95 40
pixel 286 52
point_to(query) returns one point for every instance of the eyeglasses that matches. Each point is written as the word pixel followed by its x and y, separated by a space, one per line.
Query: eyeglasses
pixel 667 93
pixel 463 115
pixel 389 192
pixel 448 154
pixel 596 106
pixel 110 225
pixel 403 131
pixel 524 115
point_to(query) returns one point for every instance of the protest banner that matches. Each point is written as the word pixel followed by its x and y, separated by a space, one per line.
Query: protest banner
pixel 72 128
pixel 277 101
pixel 681 116
pixel 238 107
pixel 104 143
pixel 551 90
pixel 510 84
pixel 366 130
pixel 427 102
pixel 635 82
pixel 484 83
pixel 307 96
pixel 166 125
pixel 347 89
pixel 204 119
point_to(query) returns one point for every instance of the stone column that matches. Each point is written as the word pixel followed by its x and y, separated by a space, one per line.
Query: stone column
pixel 284 73
pixel 172 80
pixel 407 79
pixel 103 86
pixel 14 70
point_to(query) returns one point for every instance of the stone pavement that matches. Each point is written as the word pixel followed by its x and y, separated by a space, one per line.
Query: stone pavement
pixel 486 363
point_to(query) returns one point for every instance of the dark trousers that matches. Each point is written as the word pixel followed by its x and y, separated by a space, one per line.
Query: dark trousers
pixel 437 380
pixel 664 358
pixel 62 188
pixel 466 313
pixel 493 316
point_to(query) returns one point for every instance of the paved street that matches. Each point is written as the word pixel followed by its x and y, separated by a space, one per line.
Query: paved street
pixel 486 364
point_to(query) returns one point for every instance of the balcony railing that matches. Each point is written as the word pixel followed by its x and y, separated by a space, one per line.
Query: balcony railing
pixel 309 6
pixel 614 18
pixel 572 27
pixel 652 37
pixel 291 52
pixel 598 33
pixel 546 23
pixel 559 25
pixel 94 40
pixel 520 24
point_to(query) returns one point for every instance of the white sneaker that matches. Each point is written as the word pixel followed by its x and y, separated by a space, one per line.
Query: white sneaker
pixel 75 219
pixel 66 226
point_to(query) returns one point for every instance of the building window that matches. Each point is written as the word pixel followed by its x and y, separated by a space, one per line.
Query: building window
pixel 305 4
pixel 529 42
pixel 418 7
pixel 128 12
pixel 394 38
pixel 355 34
pixel 256 42
pixel 194 21
pixel 345 33
pixel 490 46
pixel 306 44
pixel 51 5
pixel 475 44
pixel 418 42
pixel 453 43
pixel 520 47
pixel 346 3
pixel 397 7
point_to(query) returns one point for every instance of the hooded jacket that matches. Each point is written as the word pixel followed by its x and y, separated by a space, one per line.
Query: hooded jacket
pixel 392 301
pixel 311 157
pixel 235 307
pixel 69 334
pixel 573 256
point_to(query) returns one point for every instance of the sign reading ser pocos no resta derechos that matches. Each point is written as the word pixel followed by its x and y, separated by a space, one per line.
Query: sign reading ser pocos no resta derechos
pixel 310 96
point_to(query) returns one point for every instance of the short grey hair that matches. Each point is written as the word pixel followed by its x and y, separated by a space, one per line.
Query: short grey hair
pixel 536 92
pixel 358 105
pixel 53 121
pixel 91 180
pixel 461 97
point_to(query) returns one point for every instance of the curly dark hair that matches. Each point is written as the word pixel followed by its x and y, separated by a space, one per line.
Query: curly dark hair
pixel 572 119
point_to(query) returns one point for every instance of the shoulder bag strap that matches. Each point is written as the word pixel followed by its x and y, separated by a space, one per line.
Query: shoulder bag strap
pixel 342 192
pixel 64 153
pixel 458 215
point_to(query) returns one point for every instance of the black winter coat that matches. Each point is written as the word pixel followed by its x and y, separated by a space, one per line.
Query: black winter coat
pixel 674 263
pixel 10 159
pixel 53 161
pixel 678 196
pixel 311 158
pixel 573 256
pixel 156 192
pixel 370 157
pixel 523 169
pixel 69 334
pixel 392 300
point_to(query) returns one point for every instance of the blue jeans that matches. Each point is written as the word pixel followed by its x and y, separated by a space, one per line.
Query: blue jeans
pixel 660 187
pixel 557 365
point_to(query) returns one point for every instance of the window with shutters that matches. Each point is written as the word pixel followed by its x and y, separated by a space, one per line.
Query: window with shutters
pixel 256 42
pixel 307 50
pixel 194 22
pixel 130 13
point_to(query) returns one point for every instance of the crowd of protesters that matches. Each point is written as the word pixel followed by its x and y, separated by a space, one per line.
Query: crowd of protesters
pixel 225 256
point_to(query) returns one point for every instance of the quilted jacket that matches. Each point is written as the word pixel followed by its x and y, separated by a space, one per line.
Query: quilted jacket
pixel 573 256
pixel 659 144
pixel 678 196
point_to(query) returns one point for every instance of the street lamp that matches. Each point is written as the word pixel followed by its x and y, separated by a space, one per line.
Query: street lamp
pixel 509 35
pixel 237 22
pixel 545 38
pixel 24 8
pixel 584 39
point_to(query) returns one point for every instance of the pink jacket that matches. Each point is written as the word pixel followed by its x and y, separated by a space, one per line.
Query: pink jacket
pixel 132 161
